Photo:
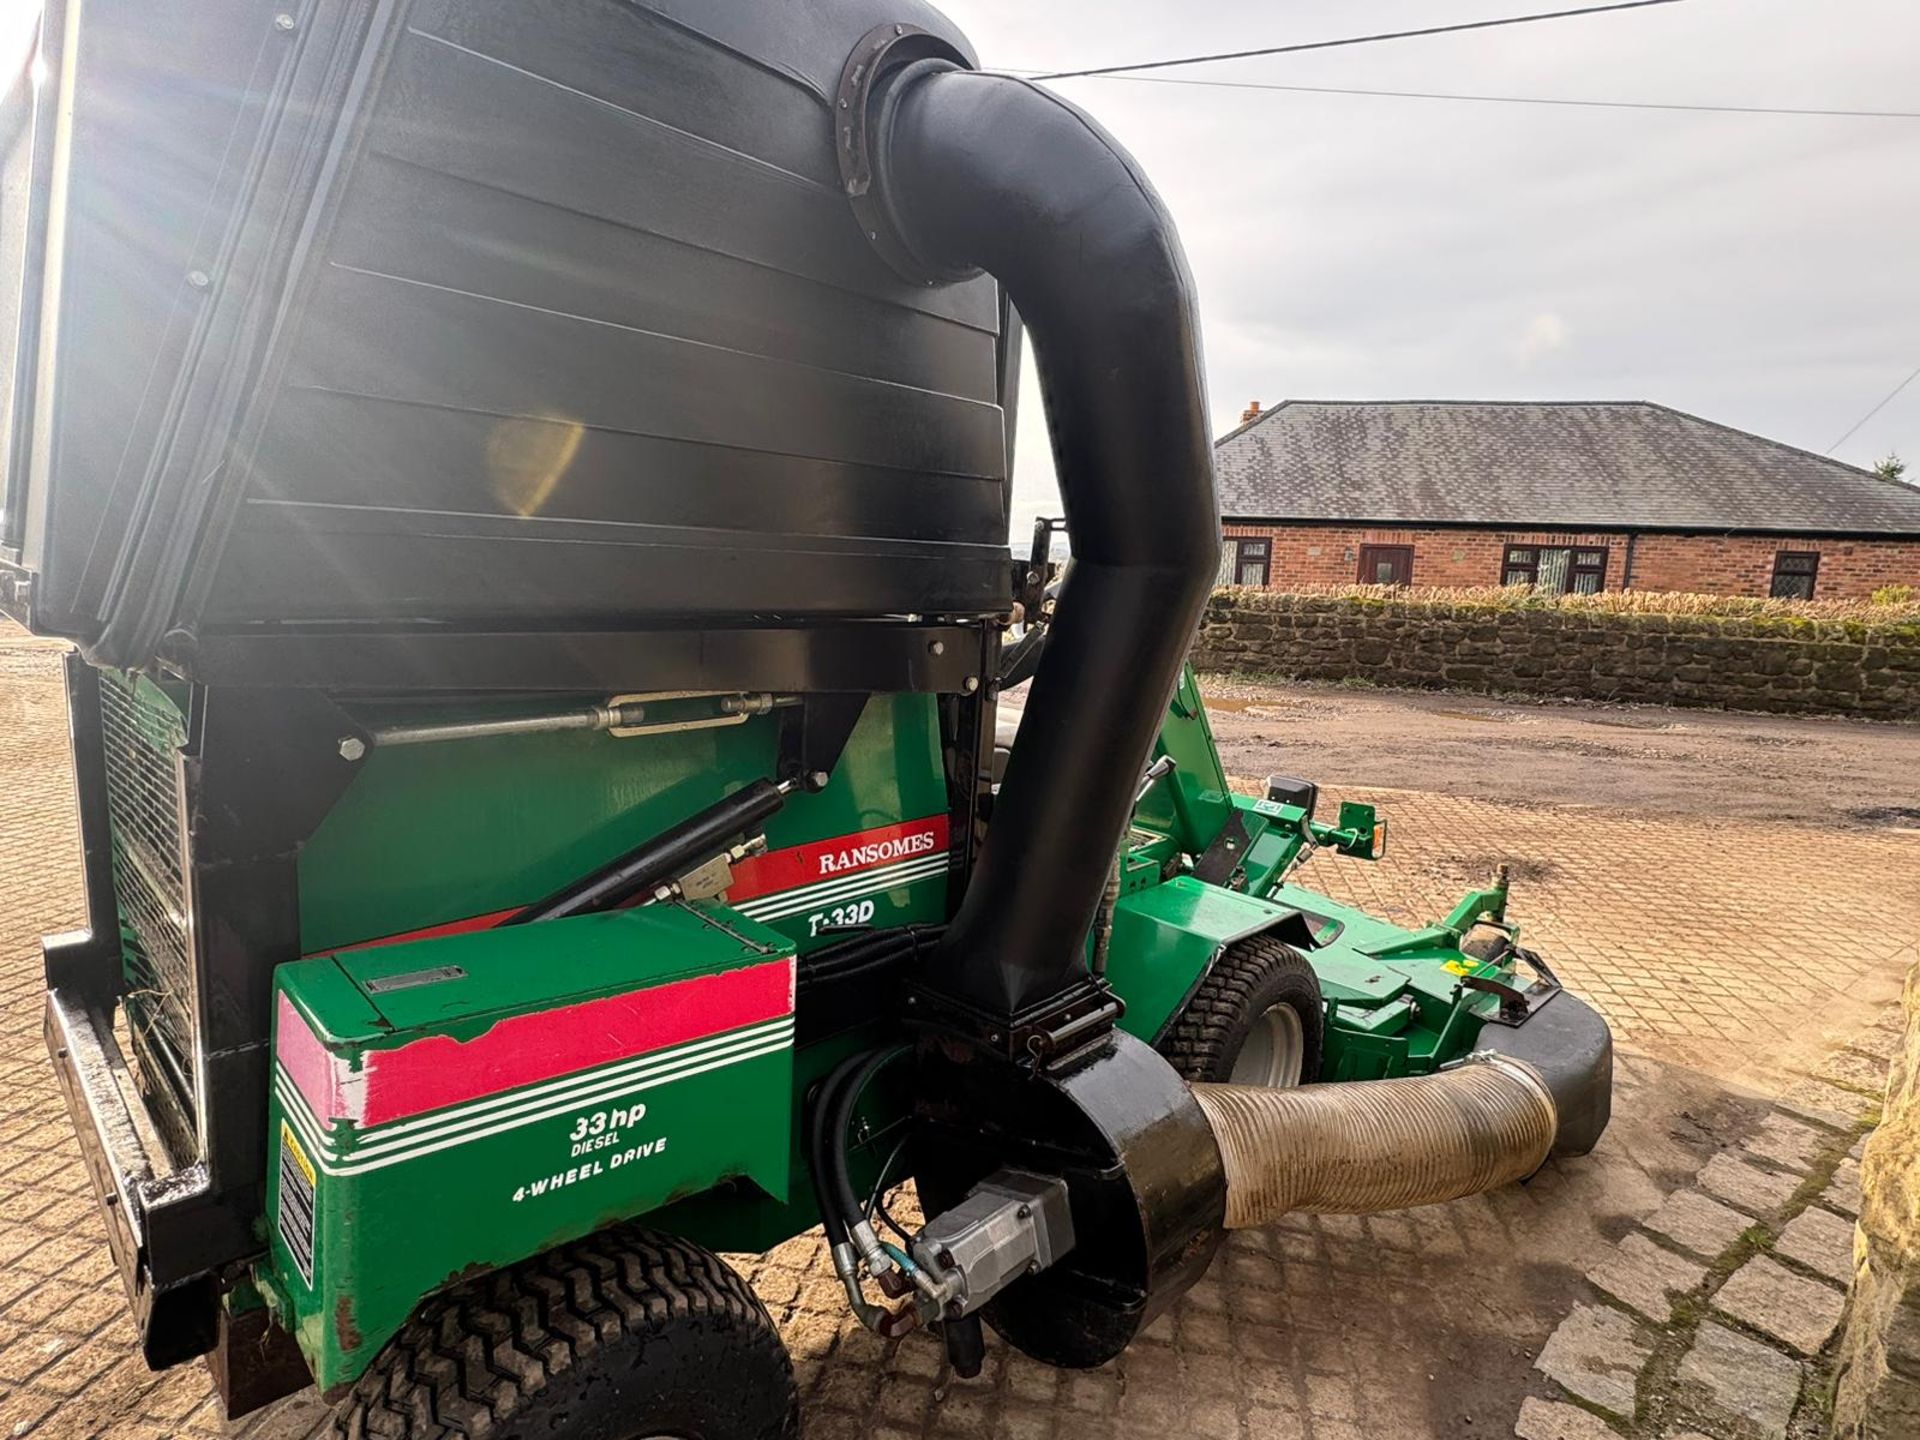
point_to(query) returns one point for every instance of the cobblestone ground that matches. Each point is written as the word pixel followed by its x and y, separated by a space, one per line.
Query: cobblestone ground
pixel 1729 956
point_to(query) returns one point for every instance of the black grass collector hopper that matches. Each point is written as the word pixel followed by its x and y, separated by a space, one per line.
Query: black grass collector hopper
pixel 526 483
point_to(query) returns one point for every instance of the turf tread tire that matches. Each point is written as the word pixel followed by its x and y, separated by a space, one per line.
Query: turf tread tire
pixel 495 1358
pixel 1251 976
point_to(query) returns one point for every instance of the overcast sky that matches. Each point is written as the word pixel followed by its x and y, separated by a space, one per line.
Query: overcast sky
pixel 1763 271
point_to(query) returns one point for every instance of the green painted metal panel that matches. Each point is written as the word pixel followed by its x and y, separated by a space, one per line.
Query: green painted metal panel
pixel 1164 939
pixel 432 834
pixel 737 1218
pixel 451 1105
pixel 1194 802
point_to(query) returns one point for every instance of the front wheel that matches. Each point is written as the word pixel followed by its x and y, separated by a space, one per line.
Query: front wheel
pixel 1257 1019
pixel 625 1335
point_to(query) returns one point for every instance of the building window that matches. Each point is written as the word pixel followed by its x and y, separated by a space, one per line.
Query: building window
pixel 1556 569
pixel 1793 574
pixel 1245 562
pixel 1386 565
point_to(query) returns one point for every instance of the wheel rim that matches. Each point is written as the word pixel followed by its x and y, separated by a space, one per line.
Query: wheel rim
pixel 1273 1051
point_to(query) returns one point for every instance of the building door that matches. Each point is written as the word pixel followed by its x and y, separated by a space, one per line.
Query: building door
pixel 1386 565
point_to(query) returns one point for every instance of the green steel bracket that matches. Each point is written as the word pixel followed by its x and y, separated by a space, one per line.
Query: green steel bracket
pixel 1475 906
pixel 1360 832
pixel 1165 939
pixel 1194 802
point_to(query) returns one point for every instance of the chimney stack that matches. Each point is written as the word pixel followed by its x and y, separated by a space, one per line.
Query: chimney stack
pixel 1252 412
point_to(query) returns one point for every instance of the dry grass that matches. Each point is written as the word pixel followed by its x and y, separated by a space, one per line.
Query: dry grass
pixel 1613 602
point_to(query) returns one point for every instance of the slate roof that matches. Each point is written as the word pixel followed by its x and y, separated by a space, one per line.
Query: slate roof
pixel 1560 465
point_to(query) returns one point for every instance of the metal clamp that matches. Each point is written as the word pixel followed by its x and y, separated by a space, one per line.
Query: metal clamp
pixel 882 51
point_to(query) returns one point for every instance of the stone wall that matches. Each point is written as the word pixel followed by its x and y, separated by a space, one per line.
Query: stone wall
pixel 1773 662
pixel 1879 1389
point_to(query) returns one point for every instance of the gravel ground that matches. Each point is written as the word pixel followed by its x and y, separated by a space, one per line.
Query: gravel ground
pixel 1629 757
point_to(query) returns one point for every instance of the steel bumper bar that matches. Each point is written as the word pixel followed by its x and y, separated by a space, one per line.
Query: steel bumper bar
pixel 157 1216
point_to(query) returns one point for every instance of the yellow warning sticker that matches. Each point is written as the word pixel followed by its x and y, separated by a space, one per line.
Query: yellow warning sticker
pixel 296 1202
pixel 291 1146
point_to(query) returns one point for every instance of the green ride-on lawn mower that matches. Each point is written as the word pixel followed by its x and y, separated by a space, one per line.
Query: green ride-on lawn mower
pixel 527 482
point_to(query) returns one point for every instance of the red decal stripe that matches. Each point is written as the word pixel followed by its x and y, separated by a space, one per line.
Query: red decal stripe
pixel 760 875
pixel 316 1073
pixel 430 932
pixel 830 859
pixel 437 1070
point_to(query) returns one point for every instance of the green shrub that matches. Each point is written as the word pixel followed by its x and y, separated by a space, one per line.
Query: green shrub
pixel 1893 604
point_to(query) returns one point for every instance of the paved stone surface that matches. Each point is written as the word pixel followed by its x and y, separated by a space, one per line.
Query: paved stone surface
pixel 1856 1072
pixel 1772 1299
pixel 1698 1223
pixel 1843 1192
pixel 1882 1042
pixel 1586 912
pixel 1827 1103
pixel 1647 1277
pixel 1758 1192
pixel 1597 1354
pixel 1410 1326
pixel 1739 1383
pixel 1821 1241
pixel 1550 1420
pixel 1787 1143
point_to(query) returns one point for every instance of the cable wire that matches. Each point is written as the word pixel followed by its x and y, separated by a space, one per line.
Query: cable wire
pixel 1885 401
pixel 1514 99
pixel 1357 39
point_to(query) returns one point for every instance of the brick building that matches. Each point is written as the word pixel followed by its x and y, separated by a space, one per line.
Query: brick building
pixel 1574 497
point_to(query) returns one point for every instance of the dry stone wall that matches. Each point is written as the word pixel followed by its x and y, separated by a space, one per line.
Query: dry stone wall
pixel 1778 663
pixel 1879 1391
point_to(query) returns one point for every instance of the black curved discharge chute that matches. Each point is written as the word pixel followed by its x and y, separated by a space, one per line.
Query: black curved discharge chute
pixel 975 170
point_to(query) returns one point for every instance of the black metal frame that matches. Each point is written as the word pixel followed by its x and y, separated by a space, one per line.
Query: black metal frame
pixel 50 45
pixel 263 768
pixel 1240 544
pixel 1509 566
pixel 871 657
pixel 1811 574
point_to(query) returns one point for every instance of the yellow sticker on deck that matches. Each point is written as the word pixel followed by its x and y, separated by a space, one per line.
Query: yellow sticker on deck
pixel 292 1147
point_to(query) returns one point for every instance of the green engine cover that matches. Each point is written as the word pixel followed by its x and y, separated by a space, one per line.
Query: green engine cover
pixel 448 1105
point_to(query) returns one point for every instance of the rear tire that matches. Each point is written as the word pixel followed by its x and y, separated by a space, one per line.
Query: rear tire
pixel 624 1335
pixel 1256 1019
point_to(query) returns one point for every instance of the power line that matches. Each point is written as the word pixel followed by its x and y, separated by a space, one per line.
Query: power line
pixel 1885 401
pixel 1517 99
pixel 1357 40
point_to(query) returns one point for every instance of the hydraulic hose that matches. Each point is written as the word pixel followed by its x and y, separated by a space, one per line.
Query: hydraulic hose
pixel 871 956
pixel 850 1239
pixel 672 852
pixel 990 172
pixel 819 1163
pixel 838 1105
pixel 1359 1147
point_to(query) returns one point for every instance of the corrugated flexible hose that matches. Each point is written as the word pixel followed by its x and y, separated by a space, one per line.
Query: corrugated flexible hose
pixel 1357 1148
